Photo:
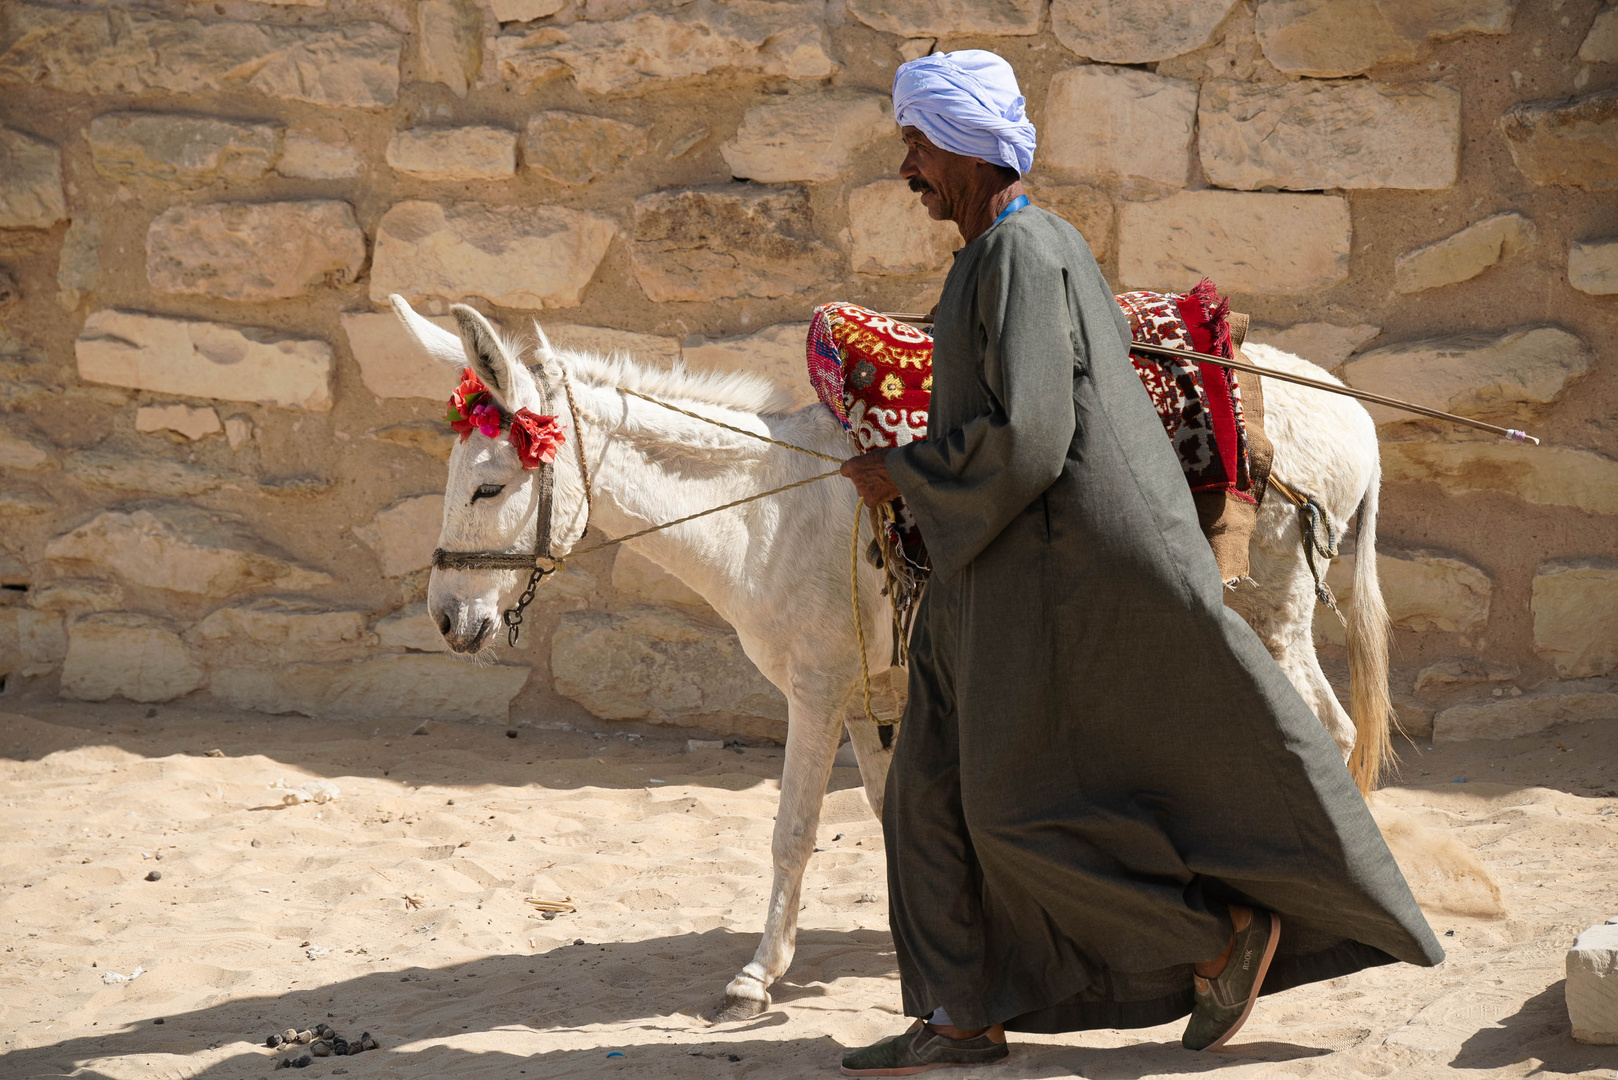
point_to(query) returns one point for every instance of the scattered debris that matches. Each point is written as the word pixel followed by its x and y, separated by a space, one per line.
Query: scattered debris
pixel 693 745
pixel 413 902
pixel 215 752
pixel 316 952
pixel 550 909
pixel 316 791
pixel 258 843
pixel 112 977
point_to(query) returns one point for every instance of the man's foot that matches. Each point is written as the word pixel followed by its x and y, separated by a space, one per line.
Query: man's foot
pixel 921 1049
pixel 1223 1000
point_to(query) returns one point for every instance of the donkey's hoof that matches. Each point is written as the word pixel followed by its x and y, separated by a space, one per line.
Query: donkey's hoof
pixel 736 1007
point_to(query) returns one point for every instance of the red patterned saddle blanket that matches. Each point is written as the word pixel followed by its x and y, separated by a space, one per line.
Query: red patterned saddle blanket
pixel 876 376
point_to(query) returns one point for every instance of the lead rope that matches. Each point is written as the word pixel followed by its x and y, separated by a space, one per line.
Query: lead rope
pixel 859 624
pixel 1312 521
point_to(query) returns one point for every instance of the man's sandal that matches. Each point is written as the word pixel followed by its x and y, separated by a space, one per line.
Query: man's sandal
pixel 921 1049
pixel 1223 1002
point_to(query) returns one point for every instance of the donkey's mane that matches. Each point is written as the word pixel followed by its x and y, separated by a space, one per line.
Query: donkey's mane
pixel 739 390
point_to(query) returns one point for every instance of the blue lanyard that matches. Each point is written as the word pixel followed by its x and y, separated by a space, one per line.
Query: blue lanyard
pixel 1011 208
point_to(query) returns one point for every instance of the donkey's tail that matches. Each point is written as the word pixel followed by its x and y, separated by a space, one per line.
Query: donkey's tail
pixel 1370 706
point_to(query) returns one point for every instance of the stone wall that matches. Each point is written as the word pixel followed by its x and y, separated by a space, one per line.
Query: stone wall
pixel 220 467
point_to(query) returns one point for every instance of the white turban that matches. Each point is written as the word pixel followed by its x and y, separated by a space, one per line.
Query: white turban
pixel 966 102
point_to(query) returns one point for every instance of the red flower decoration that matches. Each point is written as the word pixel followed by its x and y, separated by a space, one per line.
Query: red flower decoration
pixel 536 437
pixel 464 404
pixel 487 419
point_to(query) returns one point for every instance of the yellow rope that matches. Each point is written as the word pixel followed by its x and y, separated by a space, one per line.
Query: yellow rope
pixel 859 624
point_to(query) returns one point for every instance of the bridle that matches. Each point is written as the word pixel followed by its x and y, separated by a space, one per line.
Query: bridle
pixel 542 561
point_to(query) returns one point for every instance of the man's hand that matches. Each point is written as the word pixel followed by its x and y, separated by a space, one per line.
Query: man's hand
pixel 869 472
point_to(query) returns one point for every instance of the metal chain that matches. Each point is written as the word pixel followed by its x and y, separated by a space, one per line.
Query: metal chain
pixel 1312 517
pixel 512 616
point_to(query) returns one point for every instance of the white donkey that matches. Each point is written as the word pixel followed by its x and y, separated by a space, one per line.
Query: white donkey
pixel 778 569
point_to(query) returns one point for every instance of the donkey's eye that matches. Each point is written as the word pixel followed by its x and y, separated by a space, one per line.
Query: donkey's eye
pixel 487 491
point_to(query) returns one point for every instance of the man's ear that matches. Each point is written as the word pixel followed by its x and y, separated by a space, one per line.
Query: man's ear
pixel 486 355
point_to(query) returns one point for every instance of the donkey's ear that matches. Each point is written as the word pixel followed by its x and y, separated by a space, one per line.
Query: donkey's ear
pixel 434 340
pixel 487 356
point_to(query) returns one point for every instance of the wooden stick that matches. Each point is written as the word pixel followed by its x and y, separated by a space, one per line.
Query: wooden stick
pixel 1315 384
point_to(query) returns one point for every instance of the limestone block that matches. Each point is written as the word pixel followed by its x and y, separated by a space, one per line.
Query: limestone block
pixel 279 630
pixel 407 686
pixel 1248 243
pixel 254 251
pixel 30 181
pixel 515 256
pixel 639 578
pixel 606 341
pixel 1463 255
pixel 1545 475
pixel 238 429
pixel 1428 591
pixel 78 271
pixel 431 437
pixel 1575 606
pixel 391 364
pixel 1472 374
pixel 1308 136
pixel 949 18
pixel 1086 208
pixel 1346 37
pixel 171 150
pixel 139 474
pixel 181 548
pixel 306 157
pixel 1509 717
pixel 31 642
pixel 574 148
pixel 1600 45
pixel 1592 972
pixel 1120 123
pixel 120 50
pixel 775 352
pixel 890 232
pixel 1324 344
pixel 204 359
pixel 77 595
pixel 810 136
pixel 20 449
pixel 474 152
pixel 1135 31
pixel 412 628
pixel 122 654
pixel 1450 675
pixel 1592 266
pixel 404 534
pixel 650 49
pixel 735 240
pixel 524 10
pixel 193 423
pixel 1569 142
pixel 449 36
pixel 661 664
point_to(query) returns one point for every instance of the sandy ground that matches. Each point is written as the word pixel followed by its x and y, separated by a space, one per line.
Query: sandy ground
pixel 664 853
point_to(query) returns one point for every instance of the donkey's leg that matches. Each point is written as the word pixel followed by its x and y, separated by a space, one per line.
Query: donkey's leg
pixel 812 736
pixel 873 757
pixel 1279 604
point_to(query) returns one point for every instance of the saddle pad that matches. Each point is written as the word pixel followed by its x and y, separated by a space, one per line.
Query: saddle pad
pixel 875 375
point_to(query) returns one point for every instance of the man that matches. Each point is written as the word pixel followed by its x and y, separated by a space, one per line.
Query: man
pixel 1107 806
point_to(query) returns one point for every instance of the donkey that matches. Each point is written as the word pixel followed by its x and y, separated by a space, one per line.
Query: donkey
pixel 778 569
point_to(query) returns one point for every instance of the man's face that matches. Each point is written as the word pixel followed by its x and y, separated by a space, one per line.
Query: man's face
pixel 943 179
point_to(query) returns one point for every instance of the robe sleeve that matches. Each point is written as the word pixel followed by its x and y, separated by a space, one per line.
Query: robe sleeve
pixel 966 485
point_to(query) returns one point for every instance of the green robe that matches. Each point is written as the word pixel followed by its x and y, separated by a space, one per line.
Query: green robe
pixel 1097 755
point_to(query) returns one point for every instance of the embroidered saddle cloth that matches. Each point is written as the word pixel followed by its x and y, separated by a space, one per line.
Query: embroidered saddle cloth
pixel 875 375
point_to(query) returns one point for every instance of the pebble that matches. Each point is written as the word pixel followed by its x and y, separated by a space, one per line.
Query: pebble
pixel 320 1048
pixel 306 1037
pixel 258 843
pixel 340 1046
pixel 155 875
pixel 274 1041
pixel 159 1020
pixel 289 1035
pixel 511 733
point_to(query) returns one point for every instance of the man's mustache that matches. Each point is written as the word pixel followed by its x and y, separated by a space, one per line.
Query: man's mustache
pixel 919 186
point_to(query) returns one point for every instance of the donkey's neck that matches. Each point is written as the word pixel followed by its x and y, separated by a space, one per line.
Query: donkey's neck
pixel 651 465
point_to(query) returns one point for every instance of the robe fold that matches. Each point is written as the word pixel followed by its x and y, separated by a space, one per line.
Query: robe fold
pixel 1097 756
